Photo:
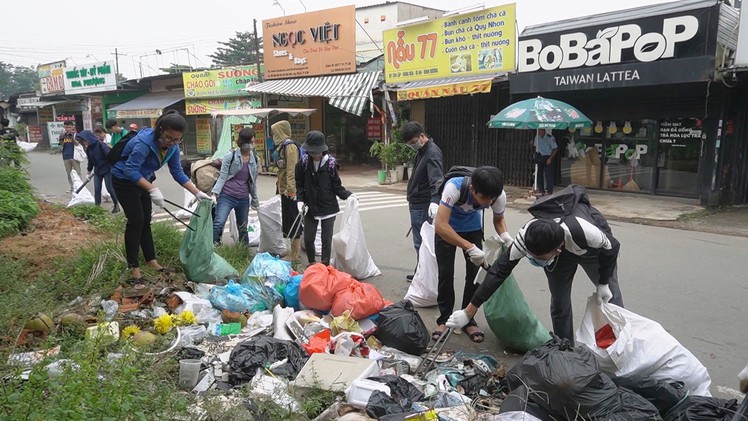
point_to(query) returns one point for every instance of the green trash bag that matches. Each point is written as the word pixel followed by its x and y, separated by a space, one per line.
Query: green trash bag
pixel 509 316
pixel 200 262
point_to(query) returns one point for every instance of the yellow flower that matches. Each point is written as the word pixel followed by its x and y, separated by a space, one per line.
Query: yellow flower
pixel 129 331
pixel 185 318
pixel 164 323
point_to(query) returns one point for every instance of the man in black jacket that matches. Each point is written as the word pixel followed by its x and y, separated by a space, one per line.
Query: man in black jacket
pixel 423 198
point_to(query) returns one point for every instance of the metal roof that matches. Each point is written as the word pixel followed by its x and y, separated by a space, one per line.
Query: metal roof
pixel 151 101
pixel 617 16
pixel 445 81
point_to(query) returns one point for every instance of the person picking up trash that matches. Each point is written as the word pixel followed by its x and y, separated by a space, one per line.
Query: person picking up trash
pixel 567 233
pixel 98 166
pixel 286 155
pixel 317 185
pixel 133 173
pixel 236 186
pixel 459 223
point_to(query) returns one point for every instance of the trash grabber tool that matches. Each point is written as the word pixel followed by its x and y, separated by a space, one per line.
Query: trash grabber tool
pixel 180 221
pixel 432 355
pixel 80 189
pixel 184 209
pixel 408 233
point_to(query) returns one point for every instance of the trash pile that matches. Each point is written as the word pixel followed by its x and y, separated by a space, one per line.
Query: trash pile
pixel 274 335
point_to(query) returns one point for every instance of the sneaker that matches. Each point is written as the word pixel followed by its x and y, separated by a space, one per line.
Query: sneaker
pixel 116 209
pixel 409 278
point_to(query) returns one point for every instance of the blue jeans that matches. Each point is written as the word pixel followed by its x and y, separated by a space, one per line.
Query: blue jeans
pixel 419 213
pixel 224 206
pixel 107 178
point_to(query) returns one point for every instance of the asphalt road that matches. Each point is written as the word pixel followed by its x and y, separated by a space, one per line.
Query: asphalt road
pixel 692 283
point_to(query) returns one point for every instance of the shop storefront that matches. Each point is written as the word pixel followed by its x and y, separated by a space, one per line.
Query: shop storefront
pixel 311 63
pixel 647 79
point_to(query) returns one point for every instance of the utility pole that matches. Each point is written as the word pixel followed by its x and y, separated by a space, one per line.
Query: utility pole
pixel 257 51
pixel 116 54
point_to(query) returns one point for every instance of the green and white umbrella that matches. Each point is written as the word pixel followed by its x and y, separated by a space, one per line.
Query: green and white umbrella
pixel 539 113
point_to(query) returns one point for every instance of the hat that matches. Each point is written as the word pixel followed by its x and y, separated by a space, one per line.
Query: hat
pixel 133 126
pixel 315 142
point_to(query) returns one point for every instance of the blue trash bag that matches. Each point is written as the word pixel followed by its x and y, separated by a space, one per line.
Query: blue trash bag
pixel 291 293
pixel 231 297
pixel 261 297
pixel 270 269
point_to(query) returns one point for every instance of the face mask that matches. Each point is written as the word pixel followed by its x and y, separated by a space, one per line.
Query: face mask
pixel 246 147
pixel 415 146
pixel 540 263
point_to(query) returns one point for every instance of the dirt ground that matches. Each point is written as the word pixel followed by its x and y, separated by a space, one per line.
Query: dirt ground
pixel 52 234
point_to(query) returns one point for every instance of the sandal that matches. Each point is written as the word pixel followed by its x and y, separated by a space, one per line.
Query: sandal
pixel 477 336
pixel 437 333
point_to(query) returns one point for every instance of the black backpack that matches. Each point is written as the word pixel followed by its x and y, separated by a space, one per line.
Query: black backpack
pixel 115 153
pixel 457 171
pixel 566 205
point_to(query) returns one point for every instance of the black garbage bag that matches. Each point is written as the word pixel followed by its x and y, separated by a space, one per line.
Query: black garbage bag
pixel 380 404
pixel 471 386
pixel 518 400
pixel 402 392
pixel 662 394
pixel 568 384
pixel 702 408
pixel 262 352
pixel 400 326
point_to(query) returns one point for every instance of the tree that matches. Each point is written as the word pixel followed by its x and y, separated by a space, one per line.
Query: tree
pixel 237 51
pixel 16 79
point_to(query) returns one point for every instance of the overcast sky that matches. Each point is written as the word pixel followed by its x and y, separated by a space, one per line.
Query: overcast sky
pixel 40 31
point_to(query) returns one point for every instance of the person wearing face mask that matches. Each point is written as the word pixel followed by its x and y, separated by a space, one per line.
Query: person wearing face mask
pixel 459 224
pixel 422 194
pixel 318 187
pixel 236 186
pixel 554 246
pixel 132 177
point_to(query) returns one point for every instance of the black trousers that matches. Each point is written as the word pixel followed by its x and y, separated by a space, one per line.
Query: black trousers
pixel 560 277
pixel 445 258
pixel 310 232
pixel 136 204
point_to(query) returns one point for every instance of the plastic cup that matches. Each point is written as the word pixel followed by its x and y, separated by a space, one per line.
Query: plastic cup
pixel 189 371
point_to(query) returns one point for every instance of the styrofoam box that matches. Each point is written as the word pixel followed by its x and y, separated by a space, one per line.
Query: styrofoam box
pixel 361 389
pixel 334 372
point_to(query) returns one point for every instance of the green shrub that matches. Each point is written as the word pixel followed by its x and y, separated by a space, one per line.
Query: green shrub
pixel 16 211
pixel 14 180
pixel 10 154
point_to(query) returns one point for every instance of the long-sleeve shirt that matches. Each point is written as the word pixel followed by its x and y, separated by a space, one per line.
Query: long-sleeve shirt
pixel 144 158
pixel 427 171
pixel 599 243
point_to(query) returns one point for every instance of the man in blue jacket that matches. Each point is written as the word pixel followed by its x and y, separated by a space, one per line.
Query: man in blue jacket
pixel 98 165
pixel 67 144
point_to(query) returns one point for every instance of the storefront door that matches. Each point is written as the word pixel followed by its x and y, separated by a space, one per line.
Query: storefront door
pixel 678 150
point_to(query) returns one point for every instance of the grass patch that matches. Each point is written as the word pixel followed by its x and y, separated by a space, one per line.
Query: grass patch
pixel 238 255
pixel 167 241
pixel 701 213
pixel 99 217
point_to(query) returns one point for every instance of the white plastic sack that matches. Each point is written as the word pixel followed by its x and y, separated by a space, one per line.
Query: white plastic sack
pixel 188 198
pixel 513 416
pixel 642 348
pixel 105 196
pixel 349 250
pixel 271 228
pixel 423 289
pixel 26 146
pixel 253 230
pixel 82 198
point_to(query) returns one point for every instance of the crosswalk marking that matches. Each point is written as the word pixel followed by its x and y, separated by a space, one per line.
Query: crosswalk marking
pixel 368 201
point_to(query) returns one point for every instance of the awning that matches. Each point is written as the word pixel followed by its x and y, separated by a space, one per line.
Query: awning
pixel 41 104
pixel 264 112
pixel 347 92
pixel 150 105
pixel 447 86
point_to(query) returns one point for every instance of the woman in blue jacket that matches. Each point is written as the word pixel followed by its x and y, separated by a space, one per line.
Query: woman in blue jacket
pixel 236 185
pixel 98 166
pixel 133 176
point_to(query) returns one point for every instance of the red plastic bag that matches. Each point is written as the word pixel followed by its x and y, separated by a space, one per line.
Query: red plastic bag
pixel 320 284
pixel 604 337
pixel 362 299
pixel 319 343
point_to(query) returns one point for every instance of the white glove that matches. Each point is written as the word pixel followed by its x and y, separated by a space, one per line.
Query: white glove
pixel 458 320
pixel 743 377
pixel 603 293
pixel 506 238
pixel 432 210
pixel 477 256
pixel 89 176
pixel 300 207
pixel 202 196
pixel 156 197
